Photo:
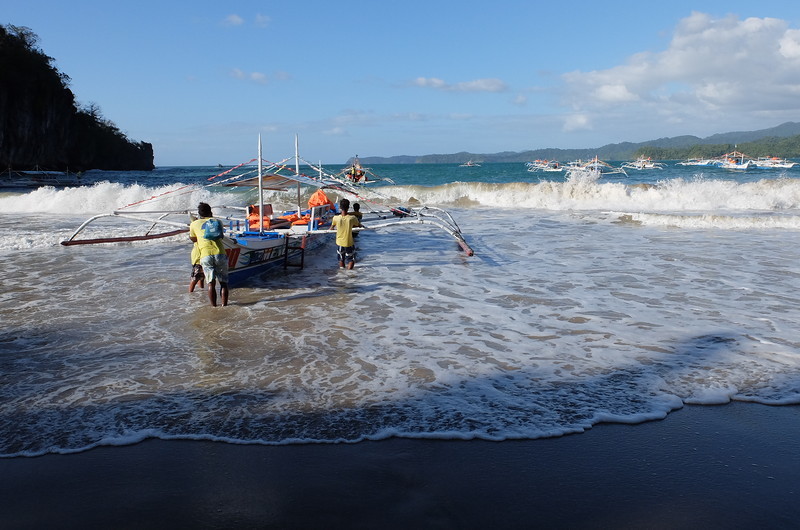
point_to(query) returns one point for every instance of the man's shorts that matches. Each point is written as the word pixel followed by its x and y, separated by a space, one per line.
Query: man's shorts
pixel 215 267
pixel 346 254
pixel 197 272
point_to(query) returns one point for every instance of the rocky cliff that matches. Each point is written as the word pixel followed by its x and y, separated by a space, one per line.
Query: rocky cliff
pixel 41 124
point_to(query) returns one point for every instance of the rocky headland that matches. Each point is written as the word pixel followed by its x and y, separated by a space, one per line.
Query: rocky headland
pixel 42 126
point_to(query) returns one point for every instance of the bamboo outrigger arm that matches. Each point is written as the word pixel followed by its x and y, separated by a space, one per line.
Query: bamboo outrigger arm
pixel 454 232
pixel 183 227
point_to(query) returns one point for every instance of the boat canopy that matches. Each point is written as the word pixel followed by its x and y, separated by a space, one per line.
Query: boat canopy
pixel 272 181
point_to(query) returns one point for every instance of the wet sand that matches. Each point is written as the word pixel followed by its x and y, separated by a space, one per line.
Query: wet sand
pixel 732 466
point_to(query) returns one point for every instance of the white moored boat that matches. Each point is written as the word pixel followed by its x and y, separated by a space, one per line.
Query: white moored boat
pixel 643 163
pixel 735 160
pixel 705 162
pixel 593 169
pixel 773 162
pixel 544 165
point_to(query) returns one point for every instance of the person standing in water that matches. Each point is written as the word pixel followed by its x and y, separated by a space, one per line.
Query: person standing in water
pixel 207 232
pixel 197 270
pixel 345 245
pixel 357 211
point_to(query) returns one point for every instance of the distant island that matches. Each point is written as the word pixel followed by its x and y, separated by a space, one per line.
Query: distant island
pixel 42 127
pixel 782 141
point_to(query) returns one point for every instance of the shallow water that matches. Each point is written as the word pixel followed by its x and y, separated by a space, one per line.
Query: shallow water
pixel 584 302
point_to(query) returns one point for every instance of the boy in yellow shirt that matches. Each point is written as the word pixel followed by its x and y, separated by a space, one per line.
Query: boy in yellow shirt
pixel 345 245
pixel 197 270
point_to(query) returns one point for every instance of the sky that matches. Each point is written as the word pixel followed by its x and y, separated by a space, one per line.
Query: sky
pixel 202 80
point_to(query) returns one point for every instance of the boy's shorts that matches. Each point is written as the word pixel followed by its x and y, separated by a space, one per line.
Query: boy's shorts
pixel 197 272
pixel 346 254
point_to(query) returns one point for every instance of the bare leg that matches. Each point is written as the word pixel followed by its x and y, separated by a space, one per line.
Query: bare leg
pixel 212 292
pixel 223 291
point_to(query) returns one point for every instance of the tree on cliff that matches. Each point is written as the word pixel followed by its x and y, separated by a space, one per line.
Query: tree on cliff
pixel 40 122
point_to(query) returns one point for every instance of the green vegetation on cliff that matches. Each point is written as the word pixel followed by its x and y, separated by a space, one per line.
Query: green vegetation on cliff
pixel 42 126
pixel 772 146
pixel 782 141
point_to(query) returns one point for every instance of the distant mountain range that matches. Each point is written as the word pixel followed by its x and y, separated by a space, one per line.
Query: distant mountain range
pixel 620 151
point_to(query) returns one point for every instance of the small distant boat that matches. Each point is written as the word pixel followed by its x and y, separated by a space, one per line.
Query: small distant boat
pixel 707 162
pixel 37 178
pixel 735 160
pixel 469 163
pixel 355 173
pixel 593 169
pixel 544 165
pixel 643 163
pixel 773 162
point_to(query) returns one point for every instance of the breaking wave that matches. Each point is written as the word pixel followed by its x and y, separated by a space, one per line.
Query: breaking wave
pixel 671 195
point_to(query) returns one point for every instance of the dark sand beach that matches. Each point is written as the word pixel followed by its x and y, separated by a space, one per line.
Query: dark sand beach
pixel 732 466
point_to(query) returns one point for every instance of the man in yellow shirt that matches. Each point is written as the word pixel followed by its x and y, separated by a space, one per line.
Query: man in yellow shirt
pixel 344 224
pixel 207 232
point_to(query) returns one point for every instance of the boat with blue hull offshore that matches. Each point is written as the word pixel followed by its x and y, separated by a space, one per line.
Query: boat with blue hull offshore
pixel 257 239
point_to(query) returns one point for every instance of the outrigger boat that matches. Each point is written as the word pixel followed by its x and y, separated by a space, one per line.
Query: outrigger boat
pixel 593 169
pixel 38 178
pixel 643 163
pixel 550 166
pixel 357 174
pixel 773 162
pixel 257 240
pixel 735 160
pixel 704 162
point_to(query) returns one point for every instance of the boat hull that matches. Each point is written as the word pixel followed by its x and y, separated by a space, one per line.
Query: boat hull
pixel 251 255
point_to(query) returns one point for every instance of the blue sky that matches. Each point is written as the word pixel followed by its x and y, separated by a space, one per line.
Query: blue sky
pixel 200 80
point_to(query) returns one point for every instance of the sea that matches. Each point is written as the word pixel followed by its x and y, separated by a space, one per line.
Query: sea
pixel 618 299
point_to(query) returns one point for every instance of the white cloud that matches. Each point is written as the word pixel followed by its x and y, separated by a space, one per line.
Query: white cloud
pixel 429 82
pixel 262 21
pixel 256 77
pixel 613 93
pixel 712 67
pixel 576 122
pixel 790 44
pixel 233 20
pixel 335 131
pixel 477 85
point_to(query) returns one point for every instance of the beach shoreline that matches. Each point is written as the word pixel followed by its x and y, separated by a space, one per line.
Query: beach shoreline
pixel 730 466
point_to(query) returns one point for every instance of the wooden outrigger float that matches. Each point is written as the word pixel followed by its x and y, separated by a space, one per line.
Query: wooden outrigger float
pixel 256 239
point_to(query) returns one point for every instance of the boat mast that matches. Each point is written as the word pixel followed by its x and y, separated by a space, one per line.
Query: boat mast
pixel 297 170
pixel 260 190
